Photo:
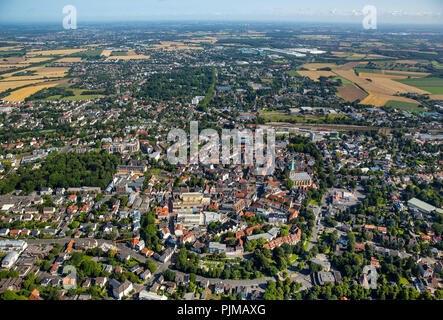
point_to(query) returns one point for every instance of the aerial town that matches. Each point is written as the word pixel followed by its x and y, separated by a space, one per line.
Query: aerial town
pixel 91 208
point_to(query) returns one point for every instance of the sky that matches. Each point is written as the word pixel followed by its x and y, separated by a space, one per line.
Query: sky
pixel 339 11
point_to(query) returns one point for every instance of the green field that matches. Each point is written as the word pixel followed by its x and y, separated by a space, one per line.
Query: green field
pixel 119 53
pixel 293 73
pixel 275 116
pixel 75 97
pixel 344 81
pixel 432 85
pixel 407 106
pixel 437 65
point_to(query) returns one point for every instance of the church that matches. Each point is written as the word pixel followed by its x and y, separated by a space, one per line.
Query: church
pixel 301 179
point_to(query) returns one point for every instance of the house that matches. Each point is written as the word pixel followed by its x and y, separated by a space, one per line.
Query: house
pixel 107 268
pixel 69 282
pixel 86 284
pixel 146 295
pixel 145 274
pixel 140 245
pixel 35 295
pixel 122 290
pixel 54 269
pixel 100 281
pixel 166 255
pixel 122 257
pixel 219 288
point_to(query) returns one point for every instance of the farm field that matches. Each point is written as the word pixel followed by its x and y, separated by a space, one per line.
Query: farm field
pixel 63 52
pixel 378 86
pixel 38 73
pixel 128 57
pixel 175 45
pixel 106 52
pixel 293 73
pixel 275 116
pixel 380 100
pixel 436 97
pixel 70 59
pixel 381 87
pixel 407 106
pixel 314 75
pixel 315 66
pixel 6 85
pixel 381 75
pixel 22 94
pixel 343 80
pixel 431 85
pixel 351 93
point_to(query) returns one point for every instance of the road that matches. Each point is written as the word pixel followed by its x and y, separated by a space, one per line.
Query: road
pixel 314 236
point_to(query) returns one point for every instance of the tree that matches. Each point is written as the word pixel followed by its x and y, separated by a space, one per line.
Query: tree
pixel 314 267
pixel 11 295
pixel 169 275
pixel 151 266
pixel 90 268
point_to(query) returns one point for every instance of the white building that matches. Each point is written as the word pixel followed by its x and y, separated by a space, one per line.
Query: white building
pixel 10 259
pixel 122 290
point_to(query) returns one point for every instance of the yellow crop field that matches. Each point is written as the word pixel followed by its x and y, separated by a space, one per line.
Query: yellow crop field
pixel 10 48
pixel 175 45
pixel 381 75
pixel 378 85
pixel 407 61
pixel 129 57
pixel 436 97
pixel 411 73
pixel 106 53
pixel 63 52
pixel 349 65
pixel 314 75
pixel 13 60
pixel 36 60
pixel 5 85
pixel 203 40
pixel 379 100
pixel 18 65
pixel 69 59
pixel 41 72
pixel 381 88
pixel 22 94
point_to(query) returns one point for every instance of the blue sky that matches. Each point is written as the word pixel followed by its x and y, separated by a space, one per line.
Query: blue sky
pixel 389 11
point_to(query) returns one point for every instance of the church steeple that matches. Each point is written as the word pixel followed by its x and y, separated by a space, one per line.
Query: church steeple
pixel 292 165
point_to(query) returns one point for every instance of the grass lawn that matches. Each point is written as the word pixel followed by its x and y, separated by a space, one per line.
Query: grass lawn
pixel 404 281
pixel 307 244
pixel 344 81
pixel 292 258
pixel 401 105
